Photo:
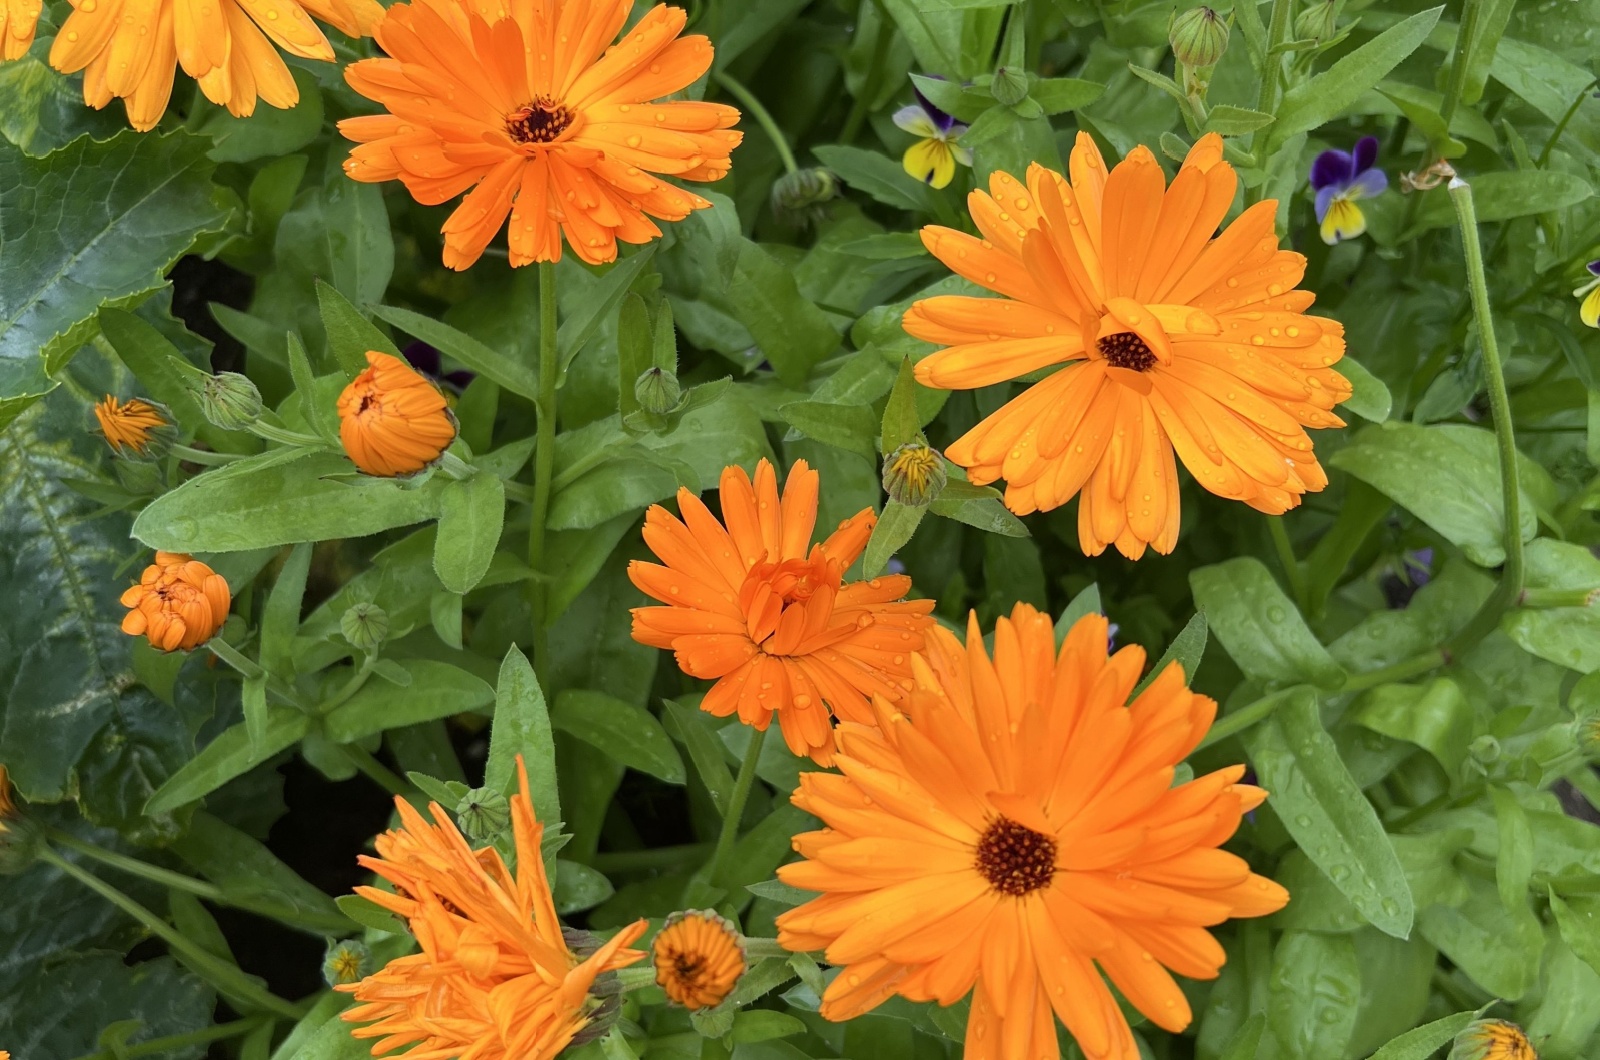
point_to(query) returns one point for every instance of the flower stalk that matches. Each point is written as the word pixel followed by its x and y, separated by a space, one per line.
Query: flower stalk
pixel 544 463
pixel 763 117
pixel 736 803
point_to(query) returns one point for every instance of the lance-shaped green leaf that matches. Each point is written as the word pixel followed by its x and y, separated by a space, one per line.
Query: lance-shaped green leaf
pixel 350 335
pixel 437 690
pixel 513 373
pixel 471 516
pixel 628 734
pixel 1186 649
pixel 522 727
pixel 895 527
pixel 901 423
pixel 228 756
pixel 577 329
pixel 1260 626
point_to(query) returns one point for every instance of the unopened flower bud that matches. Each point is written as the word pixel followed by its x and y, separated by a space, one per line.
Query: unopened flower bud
pixel 1199 37
pixel 365 626
pixel 1485 750
pixel 20 837
pixel 1588 738
pixel 345 963
pixel 1492 1040
pixel 799 195
pixel 483 814
pixel 914 474
pixel 657 390
pixel 1010 86
pixel 230 401
pixel 603 1005
pixel 1318 21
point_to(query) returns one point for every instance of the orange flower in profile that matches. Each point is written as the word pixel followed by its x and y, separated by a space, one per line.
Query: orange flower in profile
pixel 392 420
pixel 759 609
pixel 699 957
pixel 529 109
pixel 19 19
pixel 130 49
pixel 179 603
pixel 128 425
pixel 1489 1039
pixel 1013 828
pixel 496 978
pixel 1167 339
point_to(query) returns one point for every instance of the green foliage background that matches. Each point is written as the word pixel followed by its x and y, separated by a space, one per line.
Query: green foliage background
pixel 1414 713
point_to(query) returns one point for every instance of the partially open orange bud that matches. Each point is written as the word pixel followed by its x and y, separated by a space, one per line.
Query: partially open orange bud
pixel 179 603
pixel 392 420
pixel 130 426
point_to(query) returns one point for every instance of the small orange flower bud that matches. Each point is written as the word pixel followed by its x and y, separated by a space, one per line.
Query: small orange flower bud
pixel 393 421
pixel 129 425
pixel 699 958
pixel 179 603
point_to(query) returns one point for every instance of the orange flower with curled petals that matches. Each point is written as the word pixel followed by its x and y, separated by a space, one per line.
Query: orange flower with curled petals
pixel 392 420
pixel 179 603
pixel 529 112
pixel 753 605
pixel 129 425
pixel 496 978
pixel 1012 826
pixel 699 957
pixel 1167 340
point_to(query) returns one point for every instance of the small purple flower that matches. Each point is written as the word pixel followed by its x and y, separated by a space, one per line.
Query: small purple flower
pixel 430 362
pixel 1419 566
pixel 1111 637
pixel 933 158
pixel 1340 178
pixel 894 566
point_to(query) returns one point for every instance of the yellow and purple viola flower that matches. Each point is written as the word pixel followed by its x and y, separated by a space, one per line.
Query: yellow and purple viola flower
pixel 933 158
pixel 1340 178
pixel 1589 309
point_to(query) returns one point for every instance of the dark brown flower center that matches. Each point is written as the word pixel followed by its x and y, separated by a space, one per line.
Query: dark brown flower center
pixel 688 966
pixel 540 122
pixel 1126 350
pixel 1015 859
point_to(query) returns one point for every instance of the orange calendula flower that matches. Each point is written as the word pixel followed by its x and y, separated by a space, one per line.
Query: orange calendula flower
pixel 496 978
pixel 392 420
pixel 1013 825
pixel 530 109
pixel 1167 340
pixel 756 607
pixel 128 425
pixel 130 49
pixel 179 603
pixel 699 958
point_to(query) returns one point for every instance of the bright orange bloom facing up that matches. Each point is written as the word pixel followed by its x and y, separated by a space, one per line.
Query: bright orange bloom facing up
pixel 129 49
pixel 1013 826
pixel 530 110
pixel 179 603
pixel 1168 339
pixel 756 607
pixel 128 425
pixel 699 957
pixel 495 978
pixel 392 419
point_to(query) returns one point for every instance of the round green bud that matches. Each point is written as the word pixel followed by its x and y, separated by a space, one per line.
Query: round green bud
pixel 914 474
pixel 1010 86
pixel 230 401
pixel 657 390
pixel 1485 750
pixel 1199 37
pixel 346 962
pixel 365 626
pixel 1317 21
pixel 804 190
pixel 483 814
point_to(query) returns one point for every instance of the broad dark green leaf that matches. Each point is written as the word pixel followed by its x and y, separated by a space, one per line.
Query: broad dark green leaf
pixel 1316 989
pixel 471 515
pixel 1260 626
pixel 61 1009
pixel 850 427
pixel 522 728
pixel 269 132
pixel 1436 717
pixel 578 887
pixel 627 733
pixel 437 690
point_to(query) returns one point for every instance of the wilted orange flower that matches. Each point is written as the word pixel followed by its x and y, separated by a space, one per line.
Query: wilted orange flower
pixel 1016 826
pixel 699 958
pixel 129 49
pixel 392 420
pixel 495 978
pixel 179 603
pixel 1168 339
pixel 128 425
pixel 766 614
pixel 18 21
pixel 1492 1040
pixel 523 108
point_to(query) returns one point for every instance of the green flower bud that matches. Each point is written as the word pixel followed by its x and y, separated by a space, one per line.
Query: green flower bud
pixel 365 626
pixel 345 963
pixel 483 814
pixel 1318 21
pixel 230 401
pixel 1492 1040
pixel 138 476
pixel 1588 738
pixel 1010 86
pixel 804 191
pixel 1485 750
pixel 914 474
pixel 657 391
pixel 603 1005
pixel 1199 37
pixel 20 836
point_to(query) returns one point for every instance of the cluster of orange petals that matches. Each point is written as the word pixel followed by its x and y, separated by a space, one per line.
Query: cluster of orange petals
pixel 527 106
pixel 129 49
pixel 392 419
pixel 1013 825
pixel 753 605
pixel 1168 339
pixel 495 978
pixel 128 425
pixel 179 603
pixel 19 20
pixel 699 958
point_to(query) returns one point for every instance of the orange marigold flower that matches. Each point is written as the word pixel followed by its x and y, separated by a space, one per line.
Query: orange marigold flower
pixel 699 958
pixel 128 425
pixel 1493 1040
pixel 544 123
pixel 129 49
pixel 756 607
pixel 1168 339
pixel 1016 826
pixel 392 419
pixel 179 603
pixel 496 977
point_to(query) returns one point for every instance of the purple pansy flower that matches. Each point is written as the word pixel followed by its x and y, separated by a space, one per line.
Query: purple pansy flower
pixel 1340 178
pixel 933 158
pixel 427 360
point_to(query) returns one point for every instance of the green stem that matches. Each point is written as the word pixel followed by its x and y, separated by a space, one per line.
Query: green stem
pixel 869 86
pixel 1558 597
pixel 731 819
pixel 1291 566
pixel 1415 666
pixel 233 657
pixel 761 949
pixel 1561 126
pixel 175 1042
pixel 278 434
pixel 1242 719
pixel 224 975
pixel 1459 59
pixel 544 463
pixel 205 456
pixel 375 770
pixel 351 687
pixel 1509 586
pixel 655 858
pixel 763 118
pixel 1271 78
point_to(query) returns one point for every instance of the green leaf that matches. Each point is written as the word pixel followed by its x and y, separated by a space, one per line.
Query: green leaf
pixel 90 225
pixel 437 690
pixel 901 421
pixel 1057 95
pixel 1426 1040
pixel 705 750
pixel 1579 923
pixel 895 527
pixel 471 515
pixel 269 132
pixel 61 1009
pixel 1228 120
pixel 630 735
pixel 634 350
pixel 369 914
pixel 522 727
pixel 1086 602
pixel 851 427
pixel 1247 1040
pixel 41 111
pixel 1369 397
pixel 1436 717
pixel 516 375
pixel 1505 194
pixel 229 755
pixel 579 328
pixel 985 513
pixel 1566 636
pixel 878 176
pixel 759 980
pixel 1498 951
pixel 350 334
pixel 1514 862
pixel 332 1041
pixel 760 1025
pixel 1260 626
pixel 253 877
pixel 578 887
pixel 1316 989
pixel 1324 810
pixel 1186 649
pixel 281 618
